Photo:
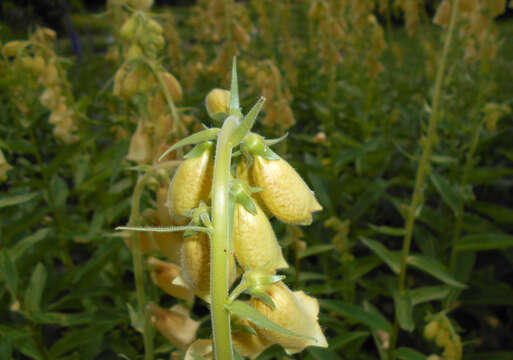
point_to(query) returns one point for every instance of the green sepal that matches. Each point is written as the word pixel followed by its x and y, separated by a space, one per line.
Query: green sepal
pixel 220 116
pixel 247 123
pixel 271 142
pixel 199 150
pixel 199 137
pixel 240 192
pixel 245 311
pixel 255 145
pixel 264 297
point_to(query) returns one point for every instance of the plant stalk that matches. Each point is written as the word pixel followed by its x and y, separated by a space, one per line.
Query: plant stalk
pixel 422 169
pixel 138 266
pixel 220 243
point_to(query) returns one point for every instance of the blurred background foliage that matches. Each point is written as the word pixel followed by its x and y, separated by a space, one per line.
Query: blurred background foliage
pixel 351 82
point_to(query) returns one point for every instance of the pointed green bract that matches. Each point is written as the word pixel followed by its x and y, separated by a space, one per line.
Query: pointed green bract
pixel 234 91
pixel 201 136
pixel 247 123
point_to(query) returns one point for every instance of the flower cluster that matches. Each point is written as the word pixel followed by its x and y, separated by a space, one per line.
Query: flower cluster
pixel 37 57
pixel 262 185
pixel 441 331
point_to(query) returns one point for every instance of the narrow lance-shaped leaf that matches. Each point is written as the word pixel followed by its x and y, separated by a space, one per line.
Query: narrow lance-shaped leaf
pixel 392 259
pixel 434 268
pixel 369 318
pixel 247 123
pixel 35 289
pixel 234 91
pixel 200 136
pixel 487 241
pixel 447 192
pixel 404 311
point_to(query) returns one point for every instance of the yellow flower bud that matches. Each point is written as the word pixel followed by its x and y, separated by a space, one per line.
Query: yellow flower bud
pixel 140 146
pixel 195 263
pixel 141 4
pixel 13 47
pixel 129 28
pixel 50 97
pixel 254 241
pixel 431 330
pixel 174 324
pixel 200 349
pixel 294 311
pixel 433 357
pixel 163 273
pixel 247 344
pixel 443 13
pixel 4 167
pixel 191 183
pixel 217 101
pixel 284 192
pixel 173 86
pixel 243 174
pixel 442 337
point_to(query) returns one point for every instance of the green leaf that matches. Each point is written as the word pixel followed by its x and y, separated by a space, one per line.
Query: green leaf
pixel 498 213
pixel 405 353
pixel 371 319
pixel 404 311
pixel 449 195
pixel 485 175
pixel 136 319
pixel 9 272
pixel 199 150
pixel 199 137
pixel 369 197
pixel 434 268
pixel 488 241
pixel 28 242
pixel 315 250
pixel 429 293
pixel 59 190
pixel 391 258
pixel 234 90
pixel 318 353
pixel 100 257
pixel 245 311
pixel 34 291
pixel 247 123
pixel 388 230
pixel 17 199
pixel 342 340
pixel 491 355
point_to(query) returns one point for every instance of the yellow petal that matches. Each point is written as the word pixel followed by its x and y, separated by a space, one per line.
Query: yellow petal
pixel 247 344
pixel 174 324
pixel 163 274
pixel 294 311
pixel 284 192
pixel 254 241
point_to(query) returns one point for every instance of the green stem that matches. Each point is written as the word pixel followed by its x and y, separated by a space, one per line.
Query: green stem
pixel 220 242
pixel 138 266
pixel 422 170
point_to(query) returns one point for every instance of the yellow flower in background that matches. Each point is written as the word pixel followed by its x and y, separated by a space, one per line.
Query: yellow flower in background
pixel 163 273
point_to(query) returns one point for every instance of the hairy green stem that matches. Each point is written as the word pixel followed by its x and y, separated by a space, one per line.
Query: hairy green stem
pixel 138 266
pixel 422 170
pixel 220 242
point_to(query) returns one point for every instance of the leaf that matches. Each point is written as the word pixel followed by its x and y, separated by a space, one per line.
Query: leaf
pixel 449 195
pixel 9 272
pixel 100 257
pixel 388 230
pixel 342 340
pixel 136 319
pixel 316 249
pixel 318 353
pixel 34 291
pixel 59 191
pixel 498 213
pixel 369 197
pixel 17 199
pixel 485 175
pixel 487 241
pixel 492 355
pixel 196 138
pixel 373 320
pixel 404 311
pixel 245 311
pixel 234 90
pixel 391 258
pixel 434 268
pixel 246 123
pixel 405 353
pixel 428 293
pixel 28 242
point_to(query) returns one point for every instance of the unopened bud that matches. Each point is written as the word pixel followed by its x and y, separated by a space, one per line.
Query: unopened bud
pixel 12 48
pixel 140 146
pixel 443 13
pixel 173 86
pixel 431 330
pixel 217 102
pixel 320 138
pixel 200 349
pixel 191 184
